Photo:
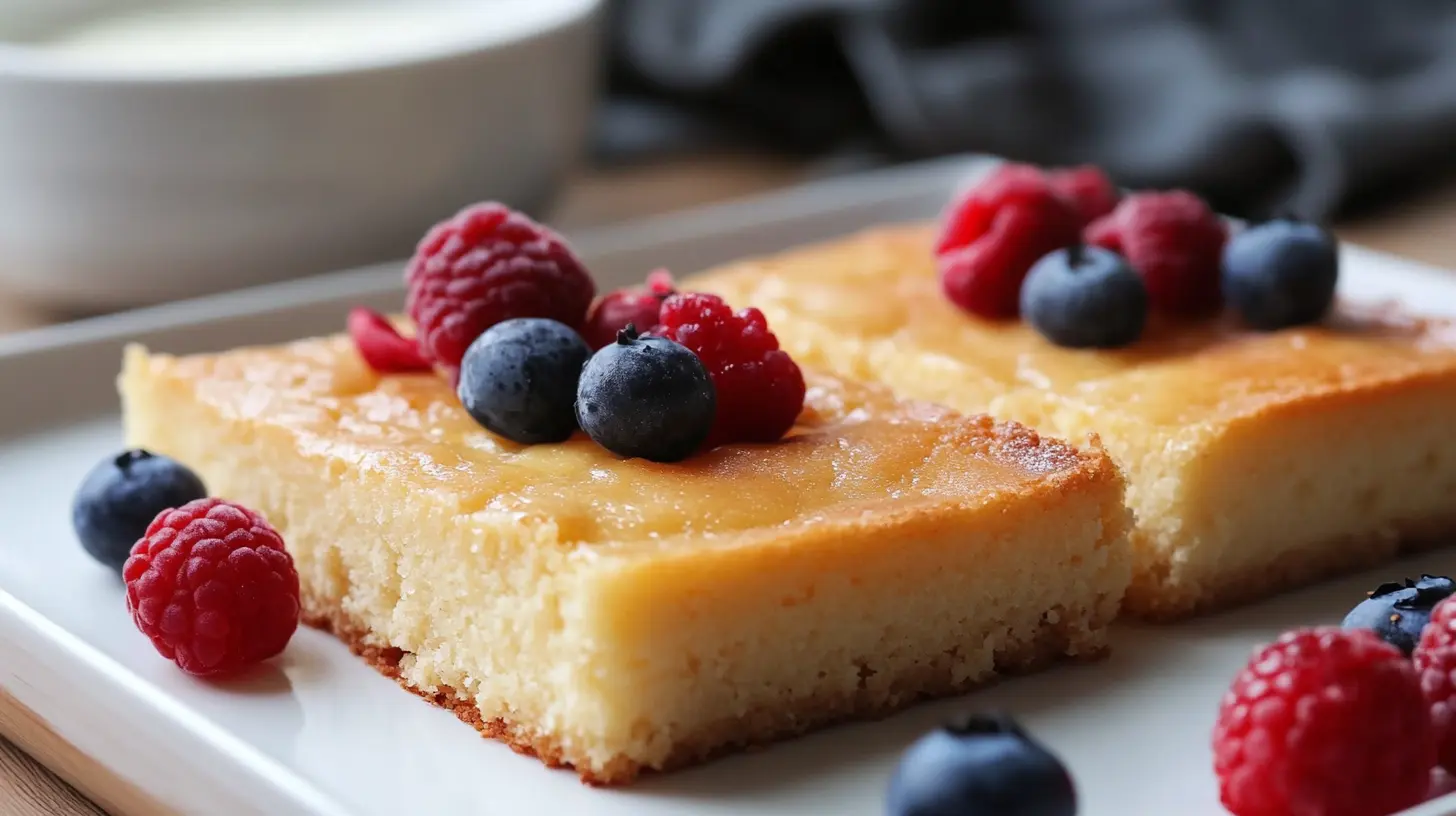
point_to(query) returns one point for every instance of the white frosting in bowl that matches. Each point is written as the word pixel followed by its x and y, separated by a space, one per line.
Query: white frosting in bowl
pixel 252 37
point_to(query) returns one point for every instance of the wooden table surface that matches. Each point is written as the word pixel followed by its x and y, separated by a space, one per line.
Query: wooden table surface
pixel 1423 227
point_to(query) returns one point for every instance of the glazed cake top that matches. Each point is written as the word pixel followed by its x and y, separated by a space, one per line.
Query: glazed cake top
pixel 856 452
pixel 871 304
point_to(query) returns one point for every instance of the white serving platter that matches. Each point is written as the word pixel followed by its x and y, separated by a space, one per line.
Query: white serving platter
pixel 321 733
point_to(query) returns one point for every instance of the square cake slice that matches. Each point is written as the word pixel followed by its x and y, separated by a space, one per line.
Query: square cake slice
pixel 618 615
pixel 1255 462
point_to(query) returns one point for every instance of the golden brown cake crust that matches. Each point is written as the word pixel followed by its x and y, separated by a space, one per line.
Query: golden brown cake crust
pixel 1189 410
pixel 412 428
pixel 757 729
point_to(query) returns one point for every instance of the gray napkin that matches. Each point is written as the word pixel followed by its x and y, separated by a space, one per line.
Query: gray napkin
pixel 1295 105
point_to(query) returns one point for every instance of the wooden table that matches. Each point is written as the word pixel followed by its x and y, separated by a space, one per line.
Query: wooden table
pixel 1423 228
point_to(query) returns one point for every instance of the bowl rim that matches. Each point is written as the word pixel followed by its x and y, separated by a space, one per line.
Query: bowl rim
pixel 19 62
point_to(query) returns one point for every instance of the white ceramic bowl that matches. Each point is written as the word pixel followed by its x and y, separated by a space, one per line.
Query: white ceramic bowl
pixel 128 185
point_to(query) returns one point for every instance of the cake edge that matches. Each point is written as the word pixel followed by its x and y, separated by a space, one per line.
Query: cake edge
pixel 755 730
pixel 1149 599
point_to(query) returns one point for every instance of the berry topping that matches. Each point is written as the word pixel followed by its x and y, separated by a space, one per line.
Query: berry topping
pixel 614 310
pixel 519 379
pixel 1174 241
pixel 760 387
pixel 992 235
pixel 1085 297
pixel 646 397
pixel 120 497
pixel 1327 721
pixel 1435 661
pixel 659 282
pixel 212 587
pixel 488 264
pixel 1088 188
pixel 1398 612
pixel 986 766
pixel 1281 273
pixel 382 346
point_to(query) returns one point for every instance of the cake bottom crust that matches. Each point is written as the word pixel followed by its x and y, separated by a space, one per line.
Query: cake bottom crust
pixel 1050 645
pixel 1151 597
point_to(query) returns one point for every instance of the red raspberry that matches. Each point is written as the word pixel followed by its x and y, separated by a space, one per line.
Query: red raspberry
pixel 1324 721
pixel 659 282
pixel 994 233
pixel 382 346
pixel 212 587
pixel 1435 660
pixel 614 310
pixel 1088 188
pixel 760 387
pixel 488 264
pixel 1174 241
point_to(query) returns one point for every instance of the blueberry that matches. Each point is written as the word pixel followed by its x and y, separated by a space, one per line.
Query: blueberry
pixel 518 379
pixel 646 397
pixel 120 496
pixel 1085 297
pixel 1398 612
pixel 1281 273
pixel 985 766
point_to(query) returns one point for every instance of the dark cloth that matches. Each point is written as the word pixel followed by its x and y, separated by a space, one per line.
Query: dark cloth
pixel 1295 105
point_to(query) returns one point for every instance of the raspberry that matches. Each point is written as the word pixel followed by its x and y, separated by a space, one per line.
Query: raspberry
pixel 994 233
pixel 659 282
pixel 382 346
pixel 1174 241
pixel 1324 721
pixel 614 310
pixel 1435 661
pixel 760 388
pixel 488 264
pixel 1088 188
pixel 212 587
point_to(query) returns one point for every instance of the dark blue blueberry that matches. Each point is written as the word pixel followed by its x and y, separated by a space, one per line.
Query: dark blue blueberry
pixel 646 397
pixel 518 379
pixel 1281 273
pixel 120 496
pixel 986 766
pixel 1085 297
pixel 1398 612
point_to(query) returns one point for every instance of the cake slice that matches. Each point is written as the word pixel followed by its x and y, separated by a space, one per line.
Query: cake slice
pixel 1255 462
pixel 618 615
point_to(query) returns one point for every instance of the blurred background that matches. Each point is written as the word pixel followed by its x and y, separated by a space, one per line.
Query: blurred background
pixel 151 150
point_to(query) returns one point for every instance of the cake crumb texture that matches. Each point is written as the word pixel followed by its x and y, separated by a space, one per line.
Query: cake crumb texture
pixel 754 729
pixel 619 615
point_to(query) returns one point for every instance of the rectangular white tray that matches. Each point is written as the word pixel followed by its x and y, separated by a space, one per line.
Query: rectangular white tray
pixel 324 734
